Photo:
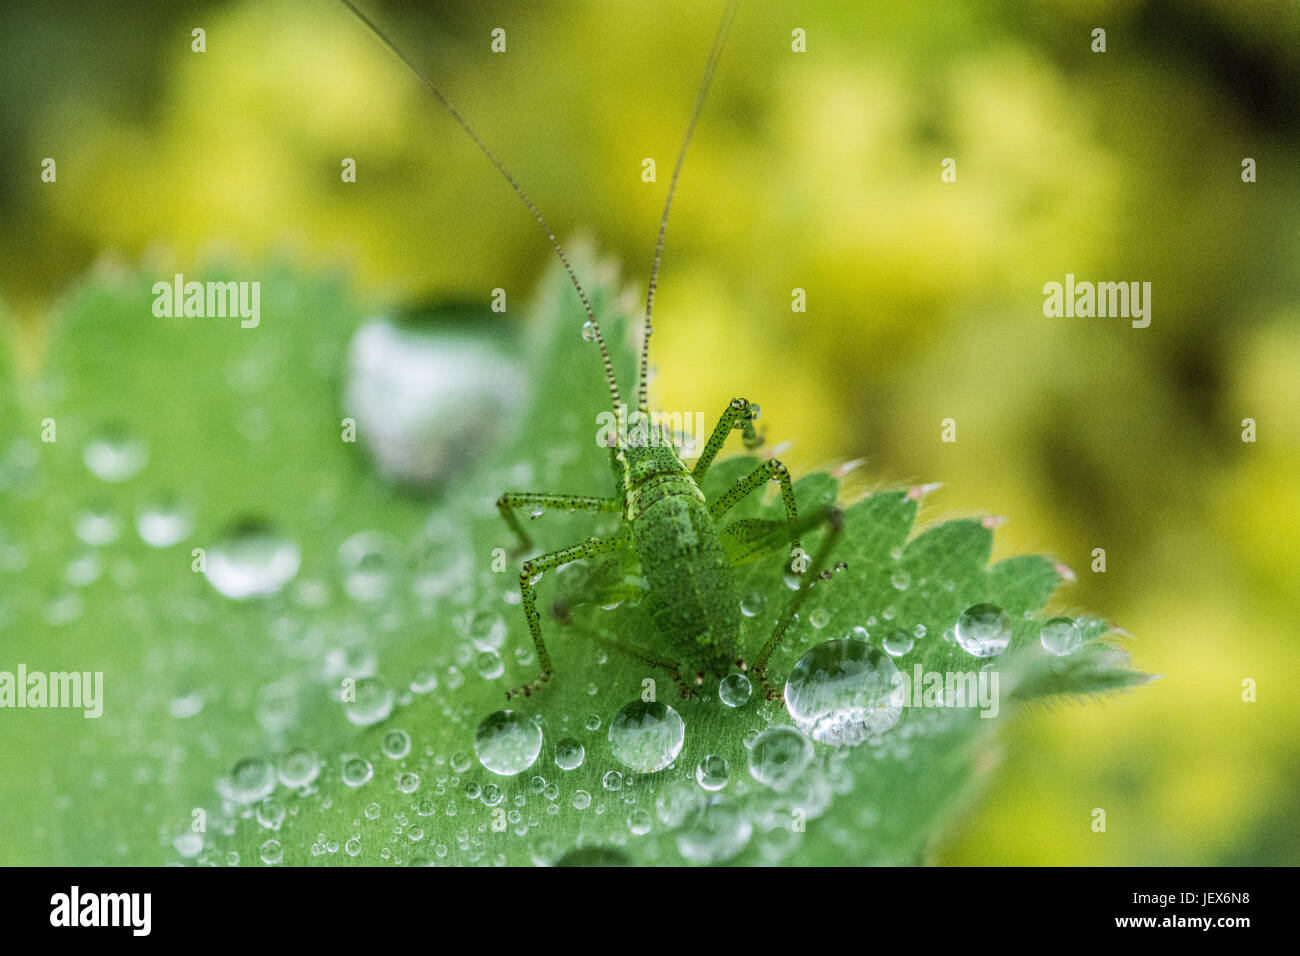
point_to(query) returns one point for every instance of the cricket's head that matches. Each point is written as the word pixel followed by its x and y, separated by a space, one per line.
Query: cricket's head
pixel 635 464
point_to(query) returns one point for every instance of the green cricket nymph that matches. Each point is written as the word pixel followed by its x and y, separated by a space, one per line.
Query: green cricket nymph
pixel 668 527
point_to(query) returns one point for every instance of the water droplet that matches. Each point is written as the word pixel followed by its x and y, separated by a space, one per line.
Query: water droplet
pixel 593 856
pixel 270 813
pixel 984 630
pixel 368 560
pixel 97 526
pixel 752 603
pixel 507 742
pixel 408 782
pixel 639 821
pixel 714 835
pixel 489 665
pixel 901 580
pixel 373 703
pixel 425 680
pixel 115 455
pixel 897 642
pixel 395 744
pixel 352 847
pixel 163 522
pixel 569 754
pixel 251 780
pixel 189 845
pixel 581 799
pixel 589 331
pixel 84 569
pixel 713 772
pixel 779 756
pixel 613 780
pixel 271 852
pixel 487 631
pixel 734 690
pixel 187 705
pixel 357 771
pixel 427 400
pixel 819 618
pixel 843 692
pixel 859 633
pixel 1060 636
pixel 297 768
pixel 253 560
pixel 646 736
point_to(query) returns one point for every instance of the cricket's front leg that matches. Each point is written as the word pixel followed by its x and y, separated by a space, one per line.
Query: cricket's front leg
pixel 536 566
pixel 539 503
pixel 740 414
pixel 835 520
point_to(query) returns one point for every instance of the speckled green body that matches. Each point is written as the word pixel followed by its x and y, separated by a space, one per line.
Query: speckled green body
pixel 692 594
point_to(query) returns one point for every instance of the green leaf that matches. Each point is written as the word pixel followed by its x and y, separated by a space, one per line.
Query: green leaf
pixel 204 692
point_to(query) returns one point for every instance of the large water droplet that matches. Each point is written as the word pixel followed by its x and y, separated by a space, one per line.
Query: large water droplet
pixel 252 560
pixel 843 692
pixel 1060 636
pixel 115 455
pixel 428 400
pixel 984 630
pixel 593 856
pixel 372 702
pixel 714 835
pixel 779 756
pixel 507 742
pixel 646 736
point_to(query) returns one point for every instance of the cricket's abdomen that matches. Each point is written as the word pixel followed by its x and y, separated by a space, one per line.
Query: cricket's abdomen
pixel 693 597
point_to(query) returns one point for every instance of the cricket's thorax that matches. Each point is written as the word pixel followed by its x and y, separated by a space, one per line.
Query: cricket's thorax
pixel 695 603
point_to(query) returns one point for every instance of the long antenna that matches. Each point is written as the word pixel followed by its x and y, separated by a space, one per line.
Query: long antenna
pixel 519 191
pixel 714 56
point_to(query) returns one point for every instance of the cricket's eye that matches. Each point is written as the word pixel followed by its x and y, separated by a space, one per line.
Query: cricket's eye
pixel 739 404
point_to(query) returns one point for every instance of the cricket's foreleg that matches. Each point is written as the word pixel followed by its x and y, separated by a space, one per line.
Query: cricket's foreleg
pixel 739 414
pixel 537 503
pixel 530 570
pixel 835 522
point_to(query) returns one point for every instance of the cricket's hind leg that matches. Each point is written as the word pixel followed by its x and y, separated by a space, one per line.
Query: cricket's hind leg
pixel 834 519
pixel 620 590
pixel 547 562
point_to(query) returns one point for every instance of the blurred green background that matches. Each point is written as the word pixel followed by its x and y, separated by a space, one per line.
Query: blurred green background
pixel 821 171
